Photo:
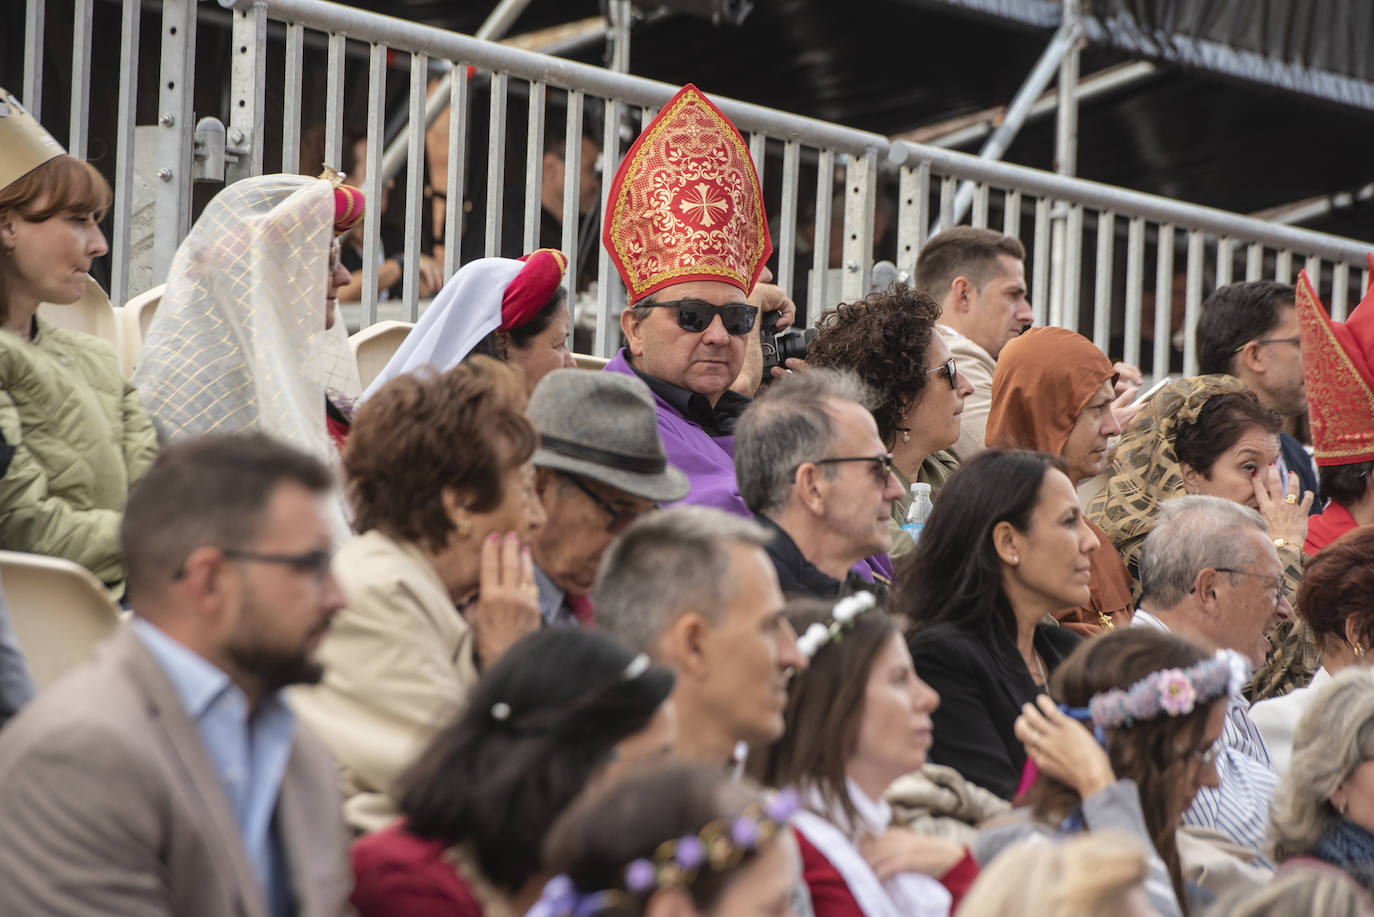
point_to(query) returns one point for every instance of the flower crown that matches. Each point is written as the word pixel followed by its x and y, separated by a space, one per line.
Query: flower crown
pixel 842 616
pixel 721 845
pixel 1173 692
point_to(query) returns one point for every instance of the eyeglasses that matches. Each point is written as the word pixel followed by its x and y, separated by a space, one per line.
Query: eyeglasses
pixel 1279 588
pixel 313 562
pixel 1207 754
pixel 882 464
pixel 620 517
pixel 949 369
pixel 1296 340
pixel 696 315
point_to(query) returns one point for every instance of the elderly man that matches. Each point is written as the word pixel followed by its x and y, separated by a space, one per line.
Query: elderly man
pixel 167 775
pixel 1250 331
pixel 600 466
pixel 1210 574
pixel 814 471
pixel 694 589
pixel 686 229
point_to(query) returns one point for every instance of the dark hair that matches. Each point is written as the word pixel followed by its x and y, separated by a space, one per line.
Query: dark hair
pixel 884 338
pixel 955 574
pixel 1148 751
pixel 1223 420
pixel 497 784
pixel 1338 582
pixel 424 432
pixel 207 490
pixel 963 251
pixel 521 337
pixel 1234 315
pixel 824 707
pixel 605 831
pixel 1344 484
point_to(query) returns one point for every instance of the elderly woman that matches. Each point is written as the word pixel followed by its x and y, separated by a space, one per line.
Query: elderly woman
pixel 563 709
pixel 1100 872
pixel 1334 600
pixel 857 719
pixel 889 339
pixel 516 311
pixel 439 582
pixel 681 840
pixel 73 436
pixel 1006 547
pixel 1157 705
pixel 1052 392
pixel 1324 808
pixel 1209 435
pixel 245 336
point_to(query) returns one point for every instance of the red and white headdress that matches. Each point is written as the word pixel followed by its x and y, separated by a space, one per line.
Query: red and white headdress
pixel 686 204
pixel 1338 363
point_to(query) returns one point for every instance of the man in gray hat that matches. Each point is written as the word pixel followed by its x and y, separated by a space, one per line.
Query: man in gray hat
pixel 600 465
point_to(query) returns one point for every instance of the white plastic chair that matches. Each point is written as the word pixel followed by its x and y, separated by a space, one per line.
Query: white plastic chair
pixel 59 609
pixel 91 314
pixel 137 316
pixel 587 361
pixel 375 345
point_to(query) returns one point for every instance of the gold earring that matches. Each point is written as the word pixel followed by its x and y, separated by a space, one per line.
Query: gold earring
pixel 1359 648
pixel 463 527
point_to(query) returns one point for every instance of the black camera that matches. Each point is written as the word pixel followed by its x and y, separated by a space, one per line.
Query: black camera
pixel 781 347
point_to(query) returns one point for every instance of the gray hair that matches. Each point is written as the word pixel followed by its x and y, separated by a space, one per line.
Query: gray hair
pixel 1330 741
pixel 666 564
pixel 788 424
pixel 1329 892
pixel 1192 534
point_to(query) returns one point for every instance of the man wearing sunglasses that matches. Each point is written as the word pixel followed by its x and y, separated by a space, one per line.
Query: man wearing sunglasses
pixel 168 774
pixel 600 465
pixel 1210 574
pixel 686 229
pixel 814 470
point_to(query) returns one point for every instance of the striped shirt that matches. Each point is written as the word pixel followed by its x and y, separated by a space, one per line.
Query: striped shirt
pixel 1239 806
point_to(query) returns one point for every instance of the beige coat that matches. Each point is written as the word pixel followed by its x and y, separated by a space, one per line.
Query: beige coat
pixel 399 663
pixel 977 366
pixel 110 804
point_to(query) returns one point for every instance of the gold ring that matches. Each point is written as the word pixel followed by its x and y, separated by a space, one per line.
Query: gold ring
pixel 531 590
pixel 1291 499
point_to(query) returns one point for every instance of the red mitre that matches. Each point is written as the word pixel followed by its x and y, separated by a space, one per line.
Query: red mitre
pixel 685 204
pixel 349 205
pixel 533 287
pixel 1336 362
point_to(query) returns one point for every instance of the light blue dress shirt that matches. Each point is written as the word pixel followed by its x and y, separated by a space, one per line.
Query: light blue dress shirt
pixel 249 749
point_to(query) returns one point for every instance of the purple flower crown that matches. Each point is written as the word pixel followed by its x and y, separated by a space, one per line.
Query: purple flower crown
pixel 721 845
pixel 1174 692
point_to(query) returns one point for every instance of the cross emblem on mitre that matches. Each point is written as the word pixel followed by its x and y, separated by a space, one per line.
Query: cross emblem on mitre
pixel 701 204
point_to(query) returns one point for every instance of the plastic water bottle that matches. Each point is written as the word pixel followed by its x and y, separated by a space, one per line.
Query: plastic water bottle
pixel 919 511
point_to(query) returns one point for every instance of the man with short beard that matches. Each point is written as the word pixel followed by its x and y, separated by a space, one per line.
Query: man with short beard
pixel 167 774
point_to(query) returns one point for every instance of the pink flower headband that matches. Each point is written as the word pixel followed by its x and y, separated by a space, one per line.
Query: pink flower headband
pixel 1173 692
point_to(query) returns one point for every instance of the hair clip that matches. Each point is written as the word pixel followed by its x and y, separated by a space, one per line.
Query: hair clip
pixel 637 667
pixel 842 616
pixel 500 711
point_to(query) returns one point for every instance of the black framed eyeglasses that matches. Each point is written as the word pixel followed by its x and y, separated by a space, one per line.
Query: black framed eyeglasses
pixel 620 517
pixel 881 464
pixel 1296 340
pixel 313 562
pixel 1279 588
pixel 949 369
pixel 696 315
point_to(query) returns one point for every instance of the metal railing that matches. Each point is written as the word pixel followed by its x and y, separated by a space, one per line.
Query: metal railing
pixel 1112 263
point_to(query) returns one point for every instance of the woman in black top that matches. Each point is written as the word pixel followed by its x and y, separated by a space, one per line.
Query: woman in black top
pixel 1006 548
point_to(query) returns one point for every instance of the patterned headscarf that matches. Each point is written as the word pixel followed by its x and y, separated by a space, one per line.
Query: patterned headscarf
pixel 1145 470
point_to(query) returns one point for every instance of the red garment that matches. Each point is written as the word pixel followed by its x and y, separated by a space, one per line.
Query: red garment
pixel 338 431
pixel 396 874
pixel 831 897
pixel 1325 527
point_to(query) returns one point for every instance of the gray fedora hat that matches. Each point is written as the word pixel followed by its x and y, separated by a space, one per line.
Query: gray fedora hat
pixel 603 426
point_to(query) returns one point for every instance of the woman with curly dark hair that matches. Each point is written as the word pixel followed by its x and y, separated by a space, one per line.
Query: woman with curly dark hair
pixel 888 338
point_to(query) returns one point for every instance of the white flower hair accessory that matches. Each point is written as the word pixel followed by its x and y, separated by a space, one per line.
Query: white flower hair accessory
pixel 1170 692
pixel 842 616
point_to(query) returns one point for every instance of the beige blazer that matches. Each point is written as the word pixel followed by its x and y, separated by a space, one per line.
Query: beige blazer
pixel 110 804
pixel 977 366
pixel 399 663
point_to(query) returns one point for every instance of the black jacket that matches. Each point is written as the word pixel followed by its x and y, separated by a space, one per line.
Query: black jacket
pixel 798 576
pixel 982 689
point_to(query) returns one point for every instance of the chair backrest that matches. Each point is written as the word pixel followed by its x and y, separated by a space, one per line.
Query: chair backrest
pixel 375 345
pixel 59 609
pixel 587 361
pixel 91 314
pixel 138 316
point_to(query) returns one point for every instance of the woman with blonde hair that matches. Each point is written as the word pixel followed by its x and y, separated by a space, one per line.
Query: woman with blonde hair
pixel 1101 872
pixel 1324 807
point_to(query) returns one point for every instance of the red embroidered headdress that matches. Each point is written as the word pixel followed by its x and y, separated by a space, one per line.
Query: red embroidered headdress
pixel 533 287
pixel 1336 362
pixel 686 204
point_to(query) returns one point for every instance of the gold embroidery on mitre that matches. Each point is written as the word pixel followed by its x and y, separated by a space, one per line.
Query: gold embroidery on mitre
pixel 1340 403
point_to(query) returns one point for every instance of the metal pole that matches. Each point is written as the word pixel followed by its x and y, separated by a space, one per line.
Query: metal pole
pixel 1065 163
pixel 619 15
pixel 172 199
pixel 1064 41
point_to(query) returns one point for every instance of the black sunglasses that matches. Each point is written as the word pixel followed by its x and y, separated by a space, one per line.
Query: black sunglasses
pixel 696 315
pixel 949 369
